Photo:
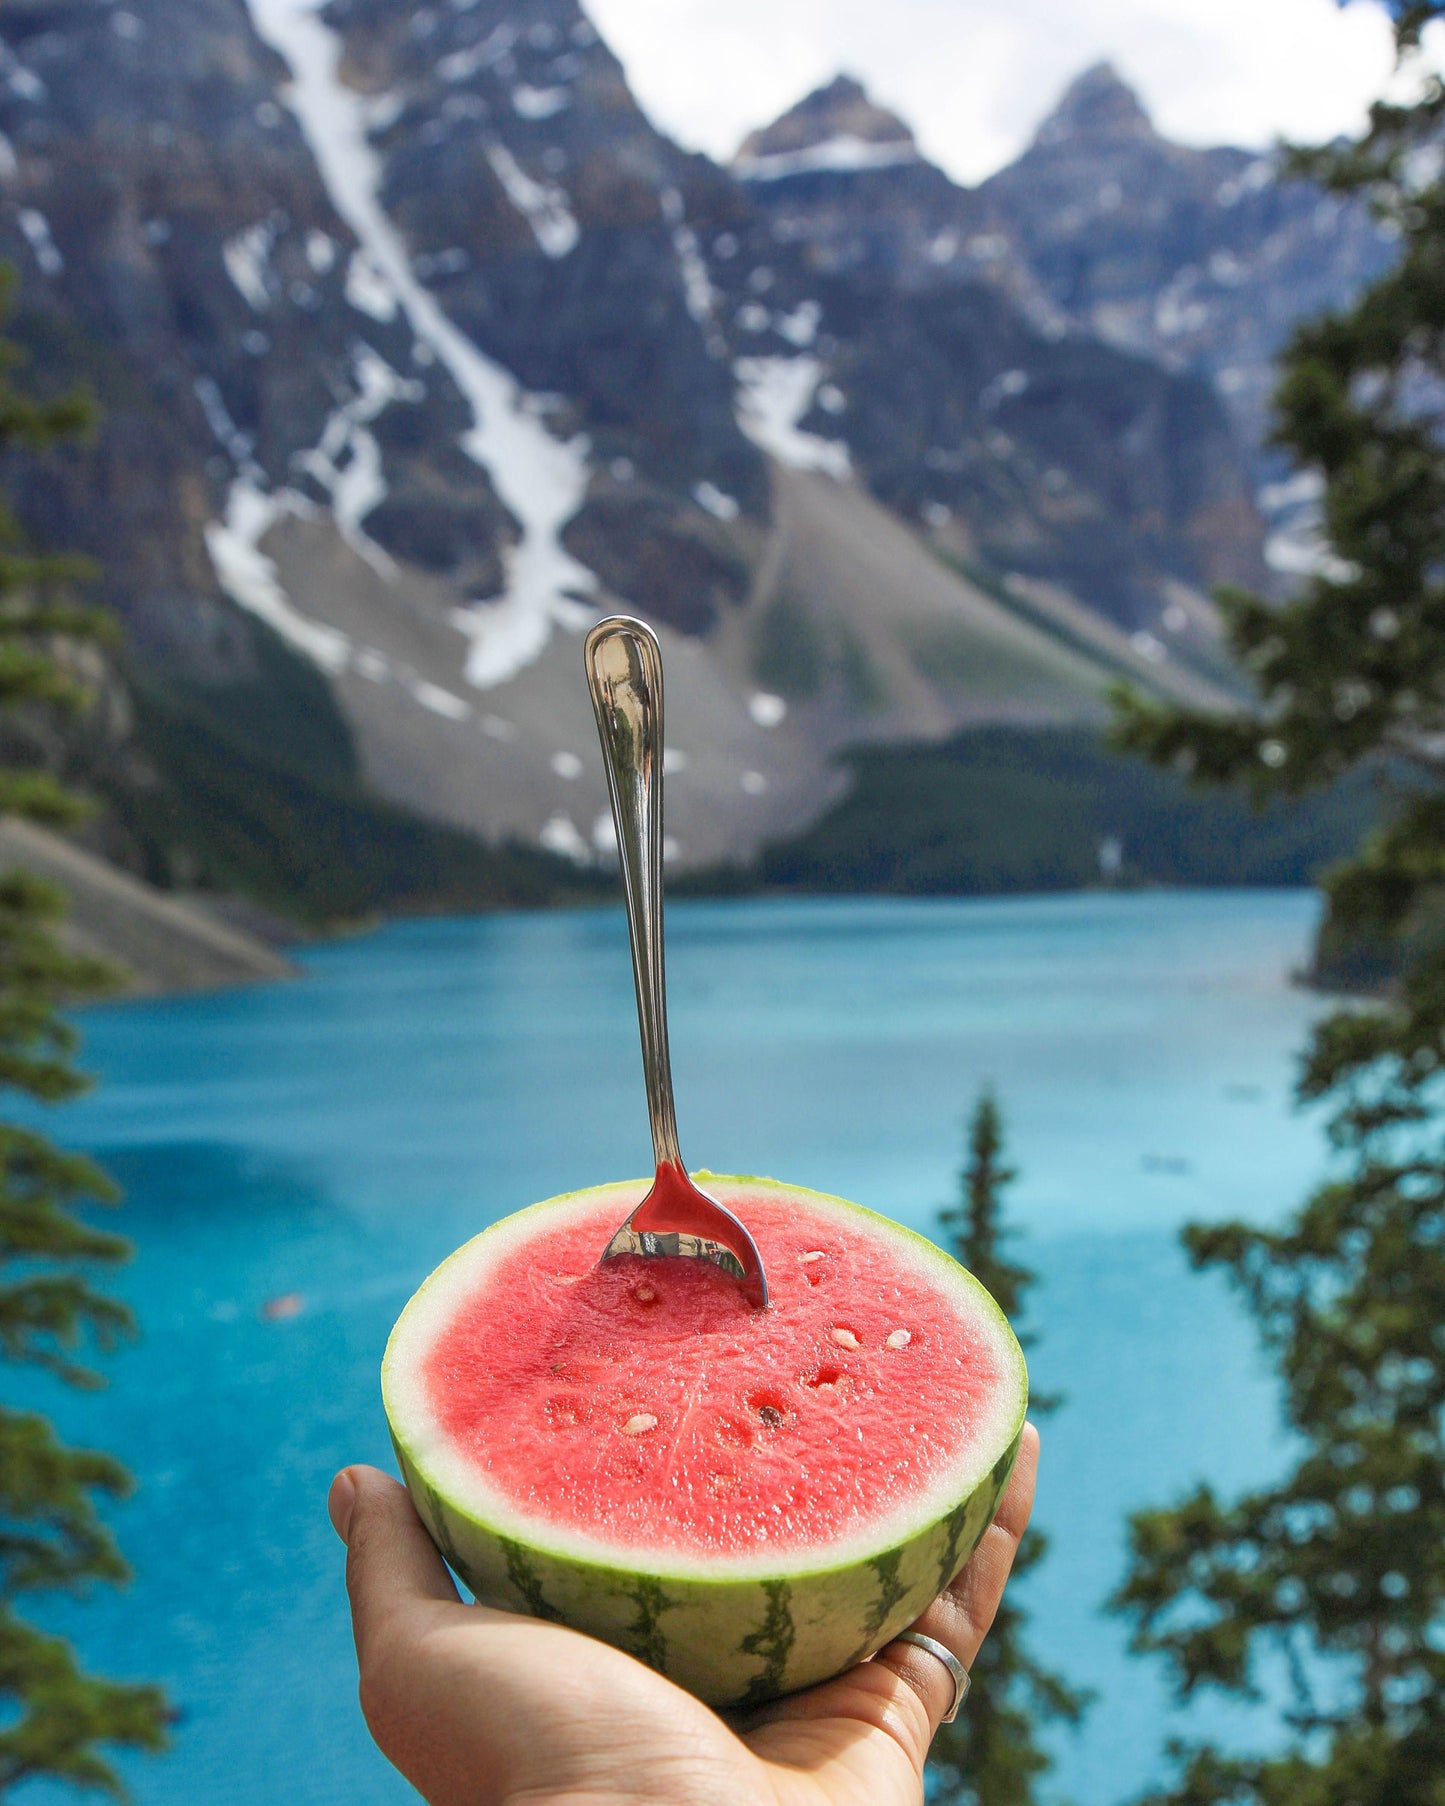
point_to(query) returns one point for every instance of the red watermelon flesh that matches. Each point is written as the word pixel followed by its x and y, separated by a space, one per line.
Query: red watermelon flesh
pixel 648 1402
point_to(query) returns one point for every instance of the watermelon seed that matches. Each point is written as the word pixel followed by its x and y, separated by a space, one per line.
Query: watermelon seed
pixel 900 1338
pixel 813 1254
pixel 644 1420
pixel 644 1294
pixel 845 1337
pixel 771 1407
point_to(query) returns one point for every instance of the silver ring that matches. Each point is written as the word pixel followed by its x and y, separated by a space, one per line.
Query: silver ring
pixel 951 1663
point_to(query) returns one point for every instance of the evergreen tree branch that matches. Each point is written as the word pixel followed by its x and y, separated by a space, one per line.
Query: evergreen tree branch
pixel 992 1756
pixel 1337 1569
pixel 55 1719
pixel 65 1714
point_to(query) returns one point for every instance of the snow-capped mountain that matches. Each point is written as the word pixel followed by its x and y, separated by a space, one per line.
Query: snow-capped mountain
pixel 419 347
pixel 1202 259
pixel 1198 260
pixel 981 414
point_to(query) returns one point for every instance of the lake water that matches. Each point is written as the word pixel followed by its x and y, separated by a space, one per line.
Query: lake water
pixel 337 1136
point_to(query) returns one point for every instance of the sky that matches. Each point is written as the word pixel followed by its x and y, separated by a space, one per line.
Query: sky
pixel 974 77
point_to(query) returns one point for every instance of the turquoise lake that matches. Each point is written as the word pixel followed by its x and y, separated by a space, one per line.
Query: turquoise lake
pixel 336 1137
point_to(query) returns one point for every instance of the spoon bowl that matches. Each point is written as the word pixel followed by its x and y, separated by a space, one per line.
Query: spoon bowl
pixel 676 1218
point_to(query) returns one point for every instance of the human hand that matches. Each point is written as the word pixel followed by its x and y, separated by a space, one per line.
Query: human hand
pixel 479 1707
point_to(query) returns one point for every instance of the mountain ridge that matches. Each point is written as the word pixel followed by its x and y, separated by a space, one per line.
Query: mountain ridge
pixel 420 347
pixel 1098 105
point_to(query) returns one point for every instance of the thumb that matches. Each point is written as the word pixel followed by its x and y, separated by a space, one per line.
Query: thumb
pixel 392 1565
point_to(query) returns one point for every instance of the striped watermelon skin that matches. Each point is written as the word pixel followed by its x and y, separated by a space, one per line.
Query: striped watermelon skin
pixel 733 1641
pixel 730 1642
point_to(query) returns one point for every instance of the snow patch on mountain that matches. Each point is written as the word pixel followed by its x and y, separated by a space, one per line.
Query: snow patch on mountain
pixel 717 501
pixel 439 701
pixel 560 834
pixel 249 577
pixel 36 227
pixel 696 283
pixel 539 103
pixel 346 461
pixel 21 80
pixel 542 204
pixel 844 154
pixel 462 65
pixel 367 289
pixel 541 481
pixel 774 393
pixel 800 327
pixel 238 445
pixel 246 257
pixel 251 580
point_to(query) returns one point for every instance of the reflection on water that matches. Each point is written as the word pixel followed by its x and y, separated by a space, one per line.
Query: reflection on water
pixel 296 1158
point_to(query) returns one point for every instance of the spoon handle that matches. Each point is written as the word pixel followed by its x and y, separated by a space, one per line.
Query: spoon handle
pixel 624 678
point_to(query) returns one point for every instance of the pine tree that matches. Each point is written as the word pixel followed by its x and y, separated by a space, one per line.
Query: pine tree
pixel 1335 1577
pixel 54 1717
pixel 990 1755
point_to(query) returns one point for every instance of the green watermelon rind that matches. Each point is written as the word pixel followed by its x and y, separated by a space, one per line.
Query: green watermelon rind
pixel 732 1639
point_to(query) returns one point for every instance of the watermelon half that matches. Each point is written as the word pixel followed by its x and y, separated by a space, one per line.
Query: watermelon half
pixel 750 1501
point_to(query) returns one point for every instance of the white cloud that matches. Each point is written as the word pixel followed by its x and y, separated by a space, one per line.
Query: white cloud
pixel 974 77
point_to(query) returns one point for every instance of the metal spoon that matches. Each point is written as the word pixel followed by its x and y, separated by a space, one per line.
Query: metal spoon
pixel 624 677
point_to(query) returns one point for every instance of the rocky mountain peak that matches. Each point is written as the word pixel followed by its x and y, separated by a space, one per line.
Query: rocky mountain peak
pixel 837 126
pixel 1098 107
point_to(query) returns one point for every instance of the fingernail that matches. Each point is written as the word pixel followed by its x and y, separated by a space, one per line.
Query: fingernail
pixel 339 1503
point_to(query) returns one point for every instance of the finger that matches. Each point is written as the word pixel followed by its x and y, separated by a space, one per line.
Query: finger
pixel 392 1566
pixel 960 1617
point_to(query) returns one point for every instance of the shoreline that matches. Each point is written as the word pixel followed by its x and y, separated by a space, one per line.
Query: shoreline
pixel 174 944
